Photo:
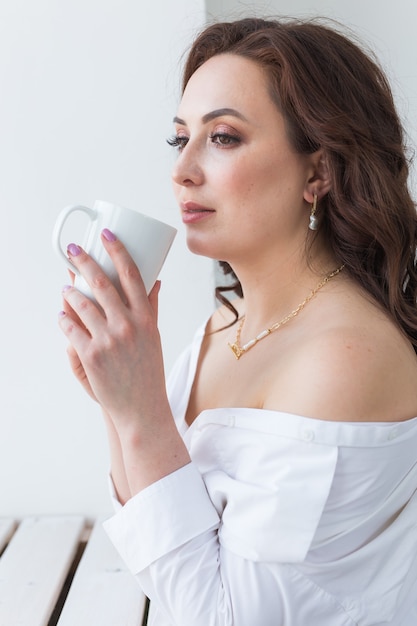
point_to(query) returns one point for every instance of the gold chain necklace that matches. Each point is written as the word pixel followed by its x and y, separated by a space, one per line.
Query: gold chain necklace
pixel 238 350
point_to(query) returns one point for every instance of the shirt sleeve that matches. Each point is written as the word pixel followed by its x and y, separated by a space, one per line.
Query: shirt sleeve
pixel 170 536
pixel 162 517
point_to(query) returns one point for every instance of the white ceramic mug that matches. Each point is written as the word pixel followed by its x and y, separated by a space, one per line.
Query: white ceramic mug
pixel 146 239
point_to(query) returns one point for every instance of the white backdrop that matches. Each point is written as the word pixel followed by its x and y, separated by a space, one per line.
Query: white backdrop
pixel 88 89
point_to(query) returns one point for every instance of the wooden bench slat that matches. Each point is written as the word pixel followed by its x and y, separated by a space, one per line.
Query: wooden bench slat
pixel 34 566
pixel 103 590
pixel 7 526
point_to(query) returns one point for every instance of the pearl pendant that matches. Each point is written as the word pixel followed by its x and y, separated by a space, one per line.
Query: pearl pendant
pixel 314 223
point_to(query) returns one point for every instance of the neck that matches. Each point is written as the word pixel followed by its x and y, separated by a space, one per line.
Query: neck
pixel 272 291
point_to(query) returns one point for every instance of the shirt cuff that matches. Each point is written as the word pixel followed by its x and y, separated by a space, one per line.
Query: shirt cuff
pixel 162 517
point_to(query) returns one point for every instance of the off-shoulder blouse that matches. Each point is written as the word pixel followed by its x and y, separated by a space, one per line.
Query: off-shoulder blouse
pixel 279 520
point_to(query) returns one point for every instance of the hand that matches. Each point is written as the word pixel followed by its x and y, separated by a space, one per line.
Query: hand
pixel 115 350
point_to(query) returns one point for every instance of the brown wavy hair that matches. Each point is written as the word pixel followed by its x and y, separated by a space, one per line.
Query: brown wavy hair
pixel 334 96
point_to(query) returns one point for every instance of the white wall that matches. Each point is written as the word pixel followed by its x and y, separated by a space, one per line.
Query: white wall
pixel 88 89
pixel 388 28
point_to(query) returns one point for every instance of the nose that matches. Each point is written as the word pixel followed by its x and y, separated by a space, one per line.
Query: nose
pixel 187 170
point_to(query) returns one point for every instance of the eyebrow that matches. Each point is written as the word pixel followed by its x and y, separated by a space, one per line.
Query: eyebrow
pixel 213 115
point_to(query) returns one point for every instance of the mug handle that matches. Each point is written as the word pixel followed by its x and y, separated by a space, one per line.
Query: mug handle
pixel 59 225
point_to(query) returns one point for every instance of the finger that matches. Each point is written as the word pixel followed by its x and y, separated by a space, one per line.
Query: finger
pixel 102 288
pixel 79 319
pixel 68 310
pixel 129 274
pixel 78 370
pixel 74 361
pixel 76 335
pixel 82 310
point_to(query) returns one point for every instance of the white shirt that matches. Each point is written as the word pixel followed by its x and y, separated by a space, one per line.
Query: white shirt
pixel 280 520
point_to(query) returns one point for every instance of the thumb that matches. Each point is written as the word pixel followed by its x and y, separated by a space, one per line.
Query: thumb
pixel 154 297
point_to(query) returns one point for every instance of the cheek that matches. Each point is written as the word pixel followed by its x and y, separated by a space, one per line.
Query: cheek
pixel 274 180
pixel 239 178
pixel 260 181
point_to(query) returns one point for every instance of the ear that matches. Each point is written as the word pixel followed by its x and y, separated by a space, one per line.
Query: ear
pixel 318 182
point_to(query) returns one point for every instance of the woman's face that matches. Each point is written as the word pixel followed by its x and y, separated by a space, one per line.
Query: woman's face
pixel 243 191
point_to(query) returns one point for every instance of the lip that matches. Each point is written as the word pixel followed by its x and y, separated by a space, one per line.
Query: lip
pixel 193 212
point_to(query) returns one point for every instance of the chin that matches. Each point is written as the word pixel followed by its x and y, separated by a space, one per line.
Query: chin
pixel 202 248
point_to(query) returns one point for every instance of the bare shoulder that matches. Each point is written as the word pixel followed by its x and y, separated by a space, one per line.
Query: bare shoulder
pixel 354 365
pixel 362 374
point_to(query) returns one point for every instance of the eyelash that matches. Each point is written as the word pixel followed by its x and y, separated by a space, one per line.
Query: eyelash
pixel 180 141
pixel 177 141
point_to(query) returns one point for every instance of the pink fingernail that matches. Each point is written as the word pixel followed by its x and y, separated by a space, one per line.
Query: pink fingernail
pixel 61 314
pixel 108 235
pixel 73 249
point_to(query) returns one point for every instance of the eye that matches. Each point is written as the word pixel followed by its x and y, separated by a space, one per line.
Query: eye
pixel 224 140
pixel 178 141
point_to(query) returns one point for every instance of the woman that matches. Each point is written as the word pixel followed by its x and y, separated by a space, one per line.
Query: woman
pixel 275 482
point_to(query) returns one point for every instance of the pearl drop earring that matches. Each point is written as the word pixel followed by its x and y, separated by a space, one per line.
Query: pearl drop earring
pixel 314 222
